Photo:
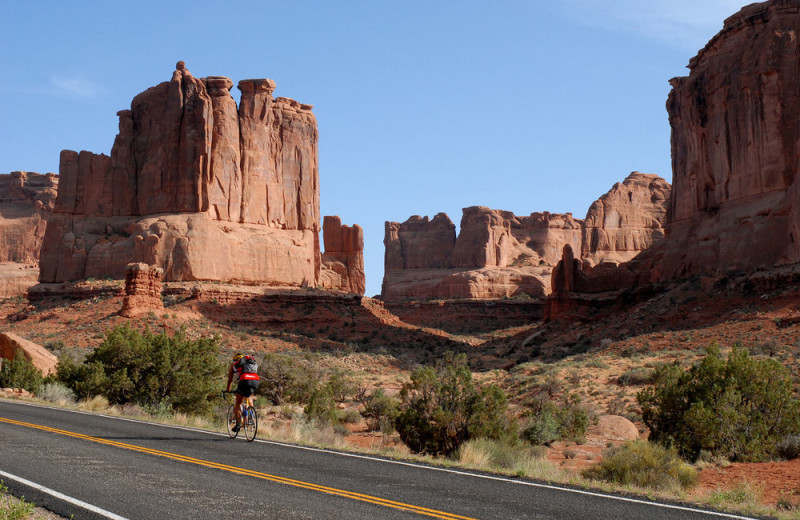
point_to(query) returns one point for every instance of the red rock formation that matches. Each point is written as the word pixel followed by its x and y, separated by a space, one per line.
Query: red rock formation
pixel 142 289
pixel 734 149
pixel 575 284
pixel 196 187
pixel 12 345
pixel 343 260
pixel 26 200
pixel 626 220
pixel 496 255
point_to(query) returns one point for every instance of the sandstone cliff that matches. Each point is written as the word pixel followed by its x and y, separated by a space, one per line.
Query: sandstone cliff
pixel 195 186
pixel 499 255
pixel 734 149
pixel 26 200
pixel 627 220
pixel 495 255
pixel 343 260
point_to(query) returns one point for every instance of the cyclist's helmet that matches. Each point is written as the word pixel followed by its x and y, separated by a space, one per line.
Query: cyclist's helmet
pixel 237 356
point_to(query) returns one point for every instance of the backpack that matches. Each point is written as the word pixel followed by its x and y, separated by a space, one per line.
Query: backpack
pixel 249 365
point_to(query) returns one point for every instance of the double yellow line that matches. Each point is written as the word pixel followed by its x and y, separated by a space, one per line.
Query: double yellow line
pixel 250 473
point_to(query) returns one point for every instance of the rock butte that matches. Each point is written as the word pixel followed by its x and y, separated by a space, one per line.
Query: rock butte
pixel 735 204
pixel 26 200
pixel 500 255
pixel 202 189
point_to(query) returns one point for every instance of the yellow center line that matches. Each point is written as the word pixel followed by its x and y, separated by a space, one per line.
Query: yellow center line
pixel 250 473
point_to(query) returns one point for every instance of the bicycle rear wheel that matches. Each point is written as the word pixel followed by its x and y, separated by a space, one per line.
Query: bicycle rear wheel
pixel 251 424
pixel 231 421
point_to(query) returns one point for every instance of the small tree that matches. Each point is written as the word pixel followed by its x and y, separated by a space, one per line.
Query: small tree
pixel 20 373
pixel 148 369
pixel 548 422
pixel 441 408
pixel 379 409
pixel 741 408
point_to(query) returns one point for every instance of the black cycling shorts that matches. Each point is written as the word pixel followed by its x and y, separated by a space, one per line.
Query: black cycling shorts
pixel 247 387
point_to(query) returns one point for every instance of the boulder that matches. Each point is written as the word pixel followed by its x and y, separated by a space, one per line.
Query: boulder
pixel 12 345
pixel 614 428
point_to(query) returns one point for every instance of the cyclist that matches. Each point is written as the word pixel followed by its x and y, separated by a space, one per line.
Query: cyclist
pixel 248 382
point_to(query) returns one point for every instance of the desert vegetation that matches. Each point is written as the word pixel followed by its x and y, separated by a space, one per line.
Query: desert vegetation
pixel 742 408
pixel 508 421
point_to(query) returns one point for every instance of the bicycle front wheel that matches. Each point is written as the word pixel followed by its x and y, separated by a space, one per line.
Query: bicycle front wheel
pixel 231 421
pixel 251 424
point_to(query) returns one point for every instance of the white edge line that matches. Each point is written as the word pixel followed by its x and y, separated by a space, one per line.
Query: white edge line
pixel 61 496
pixel 415 465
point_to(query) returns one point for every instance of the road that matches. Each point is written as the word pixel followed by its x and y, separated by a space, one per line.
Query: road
pixel 132 469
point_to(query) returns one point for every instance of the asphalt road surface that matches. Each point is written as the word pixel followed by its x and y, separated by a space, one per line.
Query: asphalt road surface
pixel 106 467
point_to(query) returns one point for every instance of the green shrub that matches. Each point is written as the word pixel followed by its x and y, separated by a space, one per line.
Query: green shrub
pixel 321 406
pixel 643 464
pixel 739 409
pixel 637 376
pixel 379 409
pixel 12 508
pixel 150 370
pixel 543 426
pixel 548 422
pixel 279 376
pixel 20 373
pixel 441 408
pixel 57 393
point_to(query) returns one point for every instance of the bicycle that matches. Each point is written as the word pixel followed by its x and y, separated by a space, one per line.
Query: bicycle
pixel 249 419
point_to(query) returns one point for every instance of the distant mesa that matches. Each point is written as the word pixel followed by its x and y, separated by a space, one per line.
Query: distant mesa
pixel 500 255
pixel 26 202
pixel 201 188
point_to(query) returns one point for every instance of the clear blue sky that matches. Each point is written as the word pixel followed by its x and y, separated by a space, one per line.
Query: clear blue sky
pixel 423 106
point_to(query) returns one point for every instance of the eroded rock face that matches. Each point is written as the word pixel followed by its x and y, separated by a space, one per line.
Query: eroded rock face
pixel 142 289
pixel 343 260
pixel 195 186
pixel 495 255
pixel 26 201
pixel 498 254
pixel 626 220
pixel 734 149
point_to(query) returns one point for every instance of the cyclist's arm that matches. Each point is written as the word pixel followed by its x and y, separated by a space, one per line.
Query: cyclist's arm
pixel 230 377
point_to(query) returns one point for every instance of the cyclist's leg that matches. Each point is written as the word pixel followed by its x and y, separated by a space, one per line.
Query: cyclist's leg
pixel 237 409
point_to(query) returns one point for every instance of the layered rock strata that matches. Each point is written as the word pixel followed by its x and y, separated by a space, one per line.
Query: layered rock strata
pixel 499 255
pixel 343 260
pixel 196 186
pixel 26 201
pixel 627 220
pixel 735 129
pixel 496 255
pixel 142 289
